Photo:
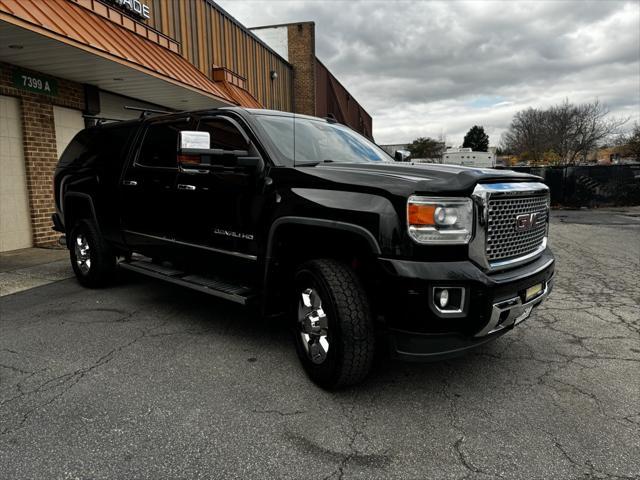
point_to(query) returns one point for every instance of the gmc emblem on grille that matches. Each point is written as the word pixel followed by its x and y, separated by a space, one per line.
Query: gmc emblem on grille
pixel 527 221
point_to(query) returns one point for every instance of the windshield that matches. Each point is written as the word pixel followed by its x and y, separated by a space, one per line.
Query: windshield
pixel 319 141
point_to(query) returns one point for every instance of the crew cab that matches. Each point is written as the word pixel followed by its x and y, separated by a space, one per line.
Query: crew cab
pixel 304 219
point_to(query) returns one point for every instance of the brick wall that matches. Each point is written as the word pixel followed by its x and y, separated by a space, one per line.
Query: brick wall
pixel 302 55
pixel 39 143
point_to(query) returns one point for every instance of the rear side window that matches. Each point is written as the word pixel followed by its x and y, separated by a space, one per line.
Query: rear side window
pixel 113 146
pixel 98 147
pixel 160 145
pixel 80 149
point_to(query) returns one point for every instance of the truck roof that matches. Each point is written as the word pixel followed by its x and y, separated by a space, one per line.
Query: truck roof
pixel 251 111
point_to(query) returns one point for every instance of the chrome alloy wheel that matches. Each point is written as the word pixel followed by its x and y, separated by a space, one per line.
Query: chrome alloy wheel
pixel 313 325
pixel 83 256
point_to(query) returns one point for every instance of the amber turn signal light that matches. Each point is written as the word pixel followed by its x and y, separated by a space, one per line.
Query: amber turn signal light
pixel 189 159
pixel 421 214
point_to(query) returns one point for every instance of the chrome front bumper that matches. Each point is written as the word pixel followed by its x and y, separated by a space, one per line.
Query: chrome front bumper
pixel 508 313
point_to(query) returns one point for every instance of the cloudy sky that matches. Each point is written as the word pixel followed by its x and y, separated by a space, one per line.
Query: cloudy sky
pixel 423 68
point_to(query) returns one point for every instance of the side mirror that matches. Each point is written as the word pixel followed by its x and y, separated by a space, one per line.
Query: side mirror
pixel 195 152
pixel 402 155
pixel 194 140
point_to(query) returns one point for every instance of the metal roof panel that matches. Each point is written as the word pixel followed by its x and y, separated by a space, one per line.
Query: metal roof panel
pixel 73 23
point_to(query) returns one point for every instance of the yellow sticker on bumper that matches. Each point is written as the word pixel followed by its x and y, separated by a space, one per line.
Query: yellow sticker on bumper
pixel 532 292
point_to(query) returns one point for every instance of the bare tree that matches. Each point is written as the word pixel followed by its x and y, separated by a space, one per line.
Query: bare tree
pixel 526 135
pixel 567 131
pixel 559 124
pixel 593 127
pixel 629 143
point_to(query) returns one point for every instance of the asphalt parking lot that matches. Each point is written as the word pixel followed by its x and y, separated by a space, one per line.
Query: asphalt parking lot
pixel 146 380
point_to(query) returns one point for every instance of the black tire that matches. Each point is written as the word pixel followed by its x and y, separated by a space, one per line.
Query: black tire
pixel 101 268
pixel 350 334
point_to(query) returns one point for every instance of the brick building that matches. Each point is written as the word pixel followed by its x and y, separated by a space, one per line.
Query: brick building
pixel 65 62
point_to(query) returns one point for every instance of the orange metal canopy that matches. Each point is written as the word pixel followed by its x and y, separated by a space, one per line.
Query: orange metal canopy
pixel 241 96
pixel 234 85
pixel 78 26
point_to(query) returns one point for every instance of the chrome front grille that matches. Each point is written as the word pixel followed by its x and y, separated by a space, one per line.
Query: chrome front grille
pixel 504 241
pixel 506 233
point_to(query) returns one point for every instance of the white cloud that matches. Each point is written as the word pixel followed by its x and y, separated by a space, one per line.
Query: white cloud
pixel 431 68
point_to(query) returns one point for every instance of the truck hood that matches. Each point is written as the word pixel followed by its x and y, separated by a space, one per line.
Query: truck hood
pixel 407 178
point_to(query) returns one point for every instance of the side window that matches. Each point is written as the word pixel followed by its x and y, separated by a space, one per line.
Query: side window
pixel 160 145
pixel 223 134
pixel 113 151
pixel 80 148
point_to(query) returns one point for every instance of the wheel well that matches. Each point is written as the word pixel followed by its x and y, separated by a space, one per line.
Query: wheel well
pixel 294 244
pixel 77 207
pixel 297 243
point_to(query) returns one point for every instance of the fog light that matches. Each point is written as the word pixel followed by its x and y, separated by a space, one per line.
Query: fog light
pixel 448 301
pixel 443 298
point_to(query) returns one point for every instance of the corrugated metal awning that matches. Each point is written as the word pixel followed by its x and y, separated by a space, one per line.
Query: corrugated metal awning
pixel 240 95
pixel 60 24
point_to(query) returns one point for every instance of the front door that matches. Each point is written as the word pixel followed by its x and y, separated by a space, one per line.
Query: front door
pixel 148 188
pixel 219 207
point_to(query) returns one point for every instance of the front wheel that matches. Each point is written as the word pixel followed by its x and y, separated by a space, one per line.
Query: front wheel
pixel 333 328
pixel 92 259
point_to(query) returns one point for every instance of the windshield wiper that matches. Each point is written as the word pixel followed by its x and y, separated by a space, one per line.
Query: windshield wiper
pixel 313 164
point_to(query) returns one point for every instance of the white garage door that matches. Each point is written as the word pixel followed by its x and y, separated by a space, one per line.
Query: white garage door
pixel 68 123
pixel 15 222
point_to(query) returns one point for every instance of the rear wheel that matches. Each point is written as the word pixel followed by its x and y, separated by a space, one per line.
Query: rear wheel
pixel 333 328
pixel 92 259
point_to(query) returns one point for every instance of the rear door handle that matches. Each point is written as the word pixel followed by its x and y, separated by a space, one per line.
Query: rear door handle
pixel 182 186
pixel 130 183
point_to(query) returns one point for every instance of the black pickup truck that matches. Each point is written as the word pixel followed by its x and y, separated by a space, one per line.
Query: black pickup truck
pixel 307 220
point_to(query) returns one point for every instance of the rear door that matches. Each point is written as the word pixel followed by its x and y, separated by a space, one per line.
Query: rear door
pixel 148 187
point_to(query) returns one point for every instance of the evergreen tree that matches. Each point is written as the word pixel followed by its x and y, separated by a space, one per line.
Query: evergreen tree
pixel 476 139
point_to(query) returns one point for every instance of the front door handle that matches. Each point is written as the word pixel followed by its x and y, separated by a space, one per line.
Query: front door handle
pixel 182 186
pixel 194 171
pixel 130 183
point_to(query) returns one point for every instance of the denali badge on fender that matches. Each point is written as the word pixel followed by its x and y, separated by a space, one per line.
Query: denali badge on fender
pixel 229 233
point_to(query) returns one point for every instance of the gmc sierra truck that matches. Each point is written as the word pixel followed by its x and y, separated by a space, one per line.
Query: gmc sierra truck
pixel 307 220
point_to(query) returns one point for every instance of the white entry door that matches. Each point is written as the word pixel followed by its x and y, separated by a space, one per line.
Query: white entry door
pixel 15 221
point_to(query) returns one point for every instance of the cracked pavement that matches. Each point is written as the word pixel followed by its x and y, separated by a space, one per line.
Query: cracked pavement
pixel 147 380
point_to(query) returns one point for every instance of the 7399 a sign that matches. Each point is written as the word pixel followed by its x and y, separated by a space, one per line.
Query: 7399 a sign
pixel 35 83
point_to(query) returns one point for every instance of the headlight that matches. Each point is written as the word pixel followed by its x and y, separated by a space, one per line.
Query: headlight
pixel 439 220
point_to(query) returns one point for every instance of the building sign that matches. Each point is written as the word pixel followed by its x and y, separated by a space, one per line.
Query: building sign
pixel 35 83
pixel 135 7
